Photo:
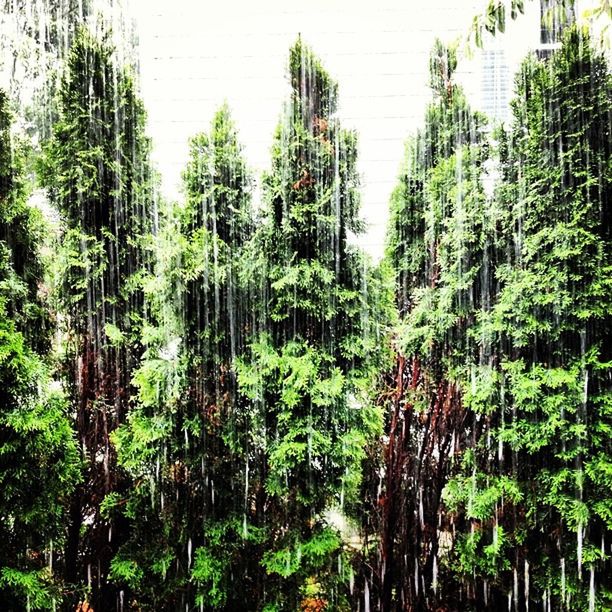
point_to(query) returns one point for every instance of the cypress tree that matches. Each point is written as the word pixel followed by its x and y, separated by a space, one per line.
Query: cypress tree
pixel 218 313
pixel 98 176
pixel 439 247
pixel 308 366
pixel 182 444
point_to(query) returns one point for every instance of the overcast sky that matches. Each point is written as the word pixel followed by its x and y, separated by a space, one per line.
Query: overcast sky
pixel 195 54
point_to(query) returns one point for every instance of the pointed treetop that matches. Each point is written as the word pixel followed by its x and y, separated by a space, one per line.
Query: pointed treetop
pixel 442 66
pixel 313 88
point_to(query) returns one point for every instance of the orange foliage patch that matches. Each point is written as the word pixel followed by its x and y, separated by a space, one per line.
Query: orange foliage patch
pixel 320 125
pixel 305 181
pixel 313 604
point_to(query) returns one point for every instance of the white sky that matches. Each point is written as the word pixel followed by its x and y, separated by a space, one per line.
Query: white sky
pixel 194 54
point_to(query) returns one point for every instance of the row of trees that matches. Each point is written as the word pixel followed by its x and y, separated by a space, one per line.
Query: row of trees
pixel 501 413
pixel 211 406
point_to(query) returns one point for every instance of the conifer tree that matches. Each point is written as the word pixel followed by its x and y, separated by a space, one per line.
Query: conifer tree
pixel 438 246
pixel 308 365
pixel 183 441
pixel 39 464
pixel 218 313
pixel 98 175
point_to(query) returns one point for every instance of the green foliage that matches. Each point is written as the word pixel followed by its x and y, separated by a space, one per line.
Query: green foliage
pixel 208 572
pixel 39 462
pixel 505 298
pixel 479 496
pixel 125 571
pixel 306 556
pixel 309 369
pixel 22 229
pixel 97 173
pixel 557 15
pixel 545 402
pixel 232 368
pixel 39 467
pixel 183 441
pixel 309 457
pixel 105 197
pixel 493 19
pixel 34 589
pixel 114 334
pixel 439 196
pixel 225 541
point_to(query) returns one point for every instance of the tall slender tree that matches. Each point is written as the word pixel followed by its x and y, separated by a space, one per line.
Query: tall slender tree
pixel 98 175
pixel 191 529
pixel 500 414
pixel 439 248
pixel 307 367
pixel 218 314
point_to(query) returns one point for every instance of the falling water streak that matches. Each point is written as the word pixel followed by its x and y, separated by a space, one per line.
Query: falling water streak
pixel 246 498
pixel 500 448
pixel 562 580
pixel 526 585
pixel 434 582
pixel 421 514
pixel 581 417
pixel 579 537
pixel 592 590
pixel 337 203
